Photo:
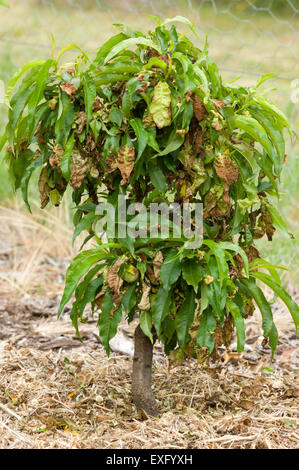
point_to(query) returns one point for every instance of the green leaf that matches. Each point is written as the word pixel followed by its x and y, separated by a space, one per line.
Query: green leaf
pixel 219 254
pixel 206 329
pixel 155 62
pixel 239 324
pixel 282 294
pixel 253 128
pixel 160 105
pixel 88 295
pixel 26 178
pixel 267 318
pixel 272 109
pixel 261 263
pixel 126 43
pixel 263 78
pixel 130 95
pixel 116 116
pixel 37 95
pixel 129 299
pixel 193 273
pixel 184 318
pixel 160 309
pixel 204 297
pixel 107 46
pixel 89 96
pixel 17 76
pixel 146 324
pixel 170 271
pixel 18 104
pixel 237 249
pixel 82 286
pixel 71 47
pixel 108 321
pixel 84 223
pixel 4 3
pixel 77 268
pixel 65 164
pixel 157 176
pixel 180 19
pixel 275 135
pixel 277 220
pixel 174 142
pixel 141 134
pixel 64 124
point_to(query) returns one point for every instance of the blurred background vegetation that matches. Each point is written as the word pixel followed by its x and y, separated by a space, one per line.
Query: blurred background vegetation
pixel 246 39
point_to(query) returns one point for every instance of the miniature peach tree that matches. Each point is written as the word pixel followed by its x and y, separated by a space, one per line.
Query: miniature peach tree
pixel 150 119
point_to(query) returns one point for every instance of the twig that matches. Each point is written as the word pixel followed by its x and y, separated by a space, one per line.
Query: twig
pixel 17 434
pixel 191 401
pixel 9 411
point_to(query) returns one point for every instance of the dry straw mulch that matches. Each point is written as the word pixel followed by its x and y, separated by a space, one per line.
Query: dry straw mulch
pixel 81 399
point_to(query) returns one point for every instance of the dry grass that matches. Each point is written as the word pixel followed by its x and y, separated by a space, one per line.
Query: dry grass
pixel 33 249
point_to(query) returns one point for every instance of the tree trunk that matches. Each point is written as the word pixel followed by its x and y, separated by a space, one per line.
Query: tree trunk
pixel 142 374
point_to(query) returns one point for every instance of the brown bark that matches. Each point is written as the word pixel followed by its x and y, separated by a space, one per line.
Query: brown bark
pixel 142 374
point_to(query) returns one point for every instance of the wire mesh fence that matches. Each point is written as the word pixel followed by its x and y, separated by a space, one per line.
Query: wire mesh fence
pixel 246 37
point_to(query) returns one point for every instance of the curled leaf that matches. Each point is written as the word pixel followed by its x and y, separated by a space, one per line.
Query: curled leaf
pixel 160 105
pixel 44 188
pixel 78 170
pixel 55 158
pixel 125 162
pixel 198 108
pixel 158 260
pixel 225 169
pixel 144 303
pixel 80 121
pixel 113 279
pixel 218 104
pixel 68 88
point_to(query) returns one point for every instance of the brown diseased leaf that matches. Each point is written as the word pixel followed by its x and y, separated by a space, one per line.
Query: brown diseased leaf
pixel 198 108
pixel 144 303
pixel 218 104
pixel 125 162
pixel 265 223
pixel 114 281
pixel 158 260
pixel 78 170
pixel 246 404
pixel 55 158
pixel 97 104
pixel 251 252
pixel 225 169
pixel 68 88
pixel 217 207
pixel 110 163
pixel 80 121
pixel 197 139
pixel 44 188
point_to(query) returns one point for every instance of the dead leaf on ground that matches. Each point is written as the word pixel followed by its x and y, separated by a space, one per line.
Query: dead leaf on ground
pixel 246 404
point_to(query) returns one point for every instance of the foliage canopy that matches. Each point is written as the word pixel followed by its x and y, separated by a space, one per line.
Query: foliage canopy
pixel 150 118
